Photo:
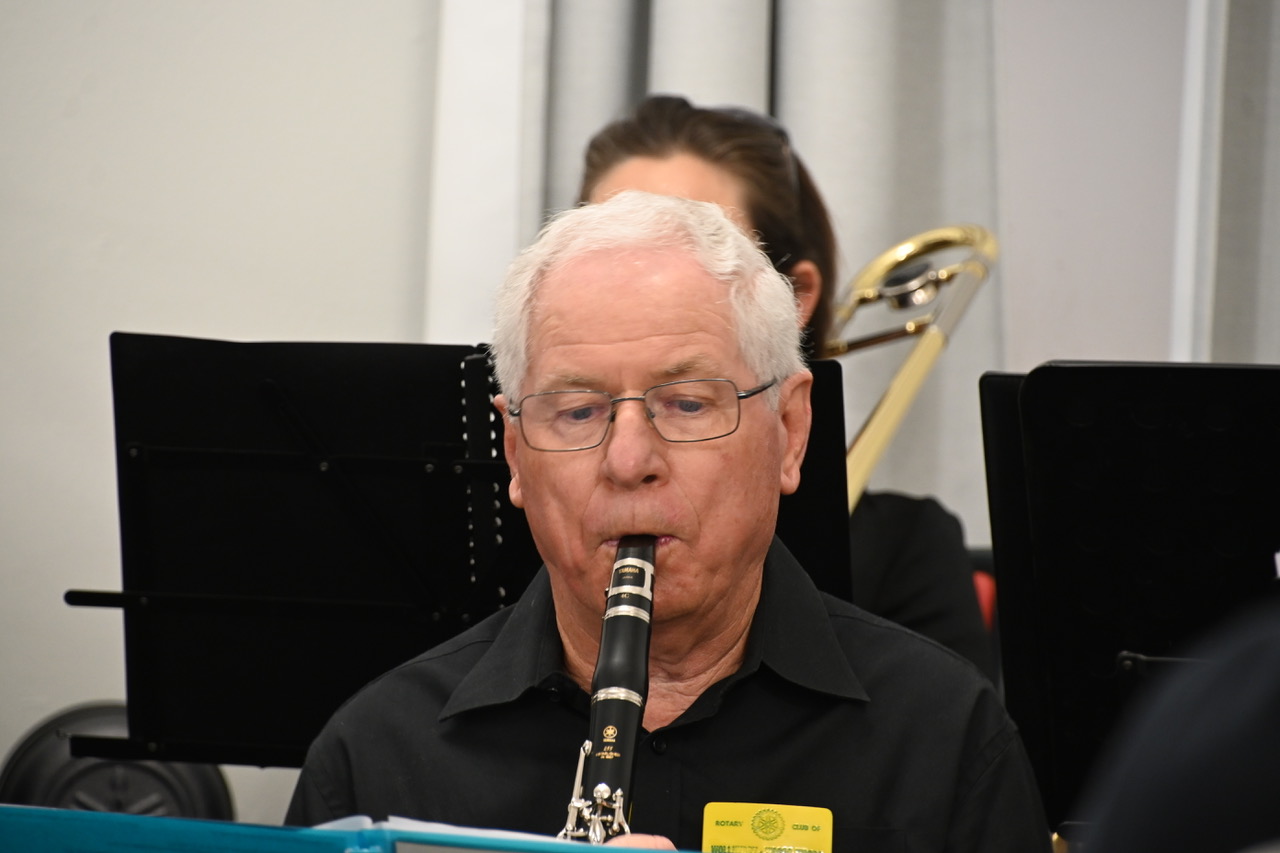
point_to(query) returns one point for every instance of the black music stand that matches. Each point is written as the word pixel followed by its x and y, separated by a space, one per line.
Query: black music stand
pixel 1133 506
pixel 297 518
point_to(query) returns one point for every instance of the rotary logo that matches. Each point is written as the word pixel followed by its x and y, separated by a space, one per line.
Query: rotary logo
pixel 610 733
pixel 767 824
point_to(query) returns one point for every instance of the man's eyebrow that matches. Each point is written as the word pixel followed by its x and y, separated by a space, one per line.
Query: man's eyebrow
pixel 574 380
pixel 696 365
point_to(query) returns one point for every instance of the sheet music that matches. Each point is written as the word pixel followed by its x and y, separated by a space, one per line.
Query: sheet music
pixel 465 836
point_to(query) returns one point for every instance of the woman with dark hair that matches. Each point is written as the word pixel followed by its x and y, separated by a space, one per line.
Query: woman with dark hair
pixel 745 160
pixel 909 559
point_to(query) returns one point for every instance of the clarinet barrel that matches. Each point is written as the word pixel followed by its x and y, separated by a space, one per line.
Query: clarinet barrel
pixel 600 800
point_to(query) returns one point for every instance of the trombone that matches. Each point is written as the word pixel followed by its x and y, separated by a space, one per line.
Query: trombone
pixel 903 278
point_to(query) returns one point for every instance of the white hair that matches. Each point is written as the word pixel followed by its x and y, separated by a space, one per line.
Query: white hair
pixel 763 305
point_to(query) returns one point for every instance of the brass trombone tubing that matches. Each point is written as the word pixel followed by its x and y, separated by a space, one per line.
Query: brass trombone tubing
pixel 906 330
pixel 932 333
pixel 865 286
pixel 878 430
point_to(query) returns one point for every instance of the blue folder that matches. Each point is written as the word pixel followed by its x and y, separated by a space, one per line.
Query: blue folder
pixel 28 828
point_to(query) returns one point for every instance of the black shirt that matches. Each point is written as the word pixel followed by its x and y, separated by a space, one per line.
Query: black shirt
pixel 910 565
pixel 902 739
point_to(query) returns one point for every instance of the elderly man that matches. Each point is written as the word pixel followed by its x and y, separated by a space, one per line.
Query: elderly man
pixel 649 359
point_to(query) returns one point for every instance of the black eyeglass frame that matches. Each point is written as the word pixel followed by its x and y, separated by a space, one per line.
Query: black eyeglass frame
pixel 515 411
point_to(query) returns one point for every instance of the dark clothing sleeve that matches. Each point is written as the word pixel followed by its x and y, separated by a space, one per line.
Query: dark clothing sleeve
pixel 1194 766
pixel 1006 787
pixel 910 565
pixel 310 807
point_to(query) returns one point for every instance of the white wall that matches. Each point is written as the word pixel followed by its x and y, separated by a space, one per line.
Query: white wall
pixel 1088 99
pixel 267 169
pixel 1245 312
pixel 245 170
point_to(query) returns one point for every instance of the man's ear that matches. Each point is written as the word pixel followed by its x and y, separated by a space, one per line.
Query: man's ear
pixel 509 439
pixel 795 415
pixel 806 281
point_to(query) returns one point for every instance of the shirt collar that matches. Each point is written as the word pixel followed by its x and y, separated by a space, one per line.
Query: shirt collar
pixel 791 634
pixel 525 654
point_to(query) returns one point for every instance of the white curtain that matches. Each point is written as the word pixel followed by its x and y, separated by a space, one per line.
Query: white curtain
pixel 1245 289
pixel 888 102
pixel 891 104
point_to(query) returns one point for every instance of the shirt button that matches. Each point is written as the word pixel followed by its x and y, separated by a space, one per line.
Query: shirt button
pixel 658 745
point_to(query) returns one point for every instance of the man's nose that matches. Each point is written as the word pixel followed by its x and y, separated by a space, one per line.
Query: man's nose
pixel 634 452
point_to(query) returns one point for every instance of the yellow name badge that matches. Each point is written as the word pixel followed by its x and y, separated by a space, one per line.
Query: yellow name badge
pixel 765 828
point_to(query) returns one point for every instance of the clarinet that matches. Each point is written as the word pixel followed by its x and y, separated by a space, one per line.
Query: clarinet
pixel 618 691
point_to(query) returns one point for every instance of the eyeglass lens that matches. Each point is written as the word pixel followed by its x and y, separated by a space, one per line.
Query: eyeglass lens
pixel 689 410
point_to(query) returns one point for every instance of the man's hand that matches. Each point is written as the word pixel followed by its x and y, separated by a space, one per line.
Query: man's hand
pixel 649 842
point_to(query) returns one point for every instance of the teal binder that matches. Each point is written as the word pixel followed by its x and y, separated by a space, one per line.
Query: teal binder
pixel 29 828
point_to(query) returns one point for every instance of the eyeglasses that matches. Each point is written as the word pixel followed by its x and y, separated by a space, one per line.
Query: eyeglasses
pixel 680 411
